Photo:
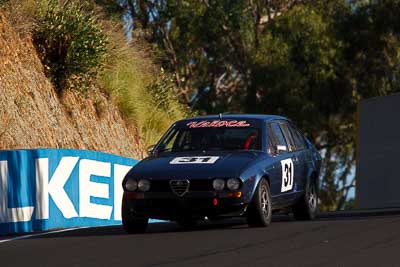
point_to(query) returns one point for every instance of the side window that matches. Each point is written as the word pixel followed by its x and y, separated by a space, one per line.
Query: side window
pixel 298 138
pixel 276 139
pixel 288 136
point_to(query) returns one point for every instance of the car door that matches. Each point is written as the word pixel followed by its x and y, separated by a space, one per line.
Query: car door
pixel 297 154
pixel 282 171
pixel 304 156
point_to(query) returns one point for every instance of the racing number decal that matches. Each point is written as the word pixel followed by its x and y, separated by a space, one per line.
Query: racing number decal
pixel 194 160
pixel 287 175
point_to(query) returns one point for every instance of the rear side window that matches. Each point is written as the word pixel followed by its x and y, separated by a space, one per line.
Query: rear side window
pixel 298 138
pixel 288 135
pixel 276 139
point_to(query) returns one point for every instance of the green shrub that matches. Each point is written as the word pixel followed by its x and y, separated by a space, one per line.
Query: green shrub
pixel 2 2
pixel 70 42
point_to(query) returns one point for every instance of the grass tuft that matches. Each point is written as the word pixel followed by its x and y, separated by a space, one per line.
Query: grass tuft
pixel 144 93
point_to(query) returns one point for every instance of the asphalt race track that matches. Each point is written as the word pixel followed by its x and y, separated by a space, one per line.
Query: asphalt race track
pixel 347 239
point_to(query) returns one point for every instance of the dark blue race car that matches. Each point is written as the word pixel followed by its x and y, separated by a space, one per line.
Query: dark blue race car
pixel 224 166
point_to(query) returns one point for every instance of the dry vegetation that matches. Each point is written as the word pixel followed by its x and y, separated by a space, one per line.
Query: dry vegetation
pixel 127 108
pixel 33 115
pixel 143 92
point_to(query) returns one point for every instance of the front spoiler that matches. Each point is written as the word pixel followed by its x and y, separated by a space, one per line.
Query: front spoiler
pixel 167 205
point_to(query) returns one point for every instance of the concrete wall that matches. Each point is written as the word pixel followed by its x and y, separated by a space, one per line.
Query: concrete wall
pixel 378 179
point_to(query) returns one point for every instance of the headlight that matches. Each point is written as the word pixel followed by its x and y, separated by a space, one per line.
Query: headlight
pixel 233 184
pixel 144 185
pixel 218 184
pixel 131 185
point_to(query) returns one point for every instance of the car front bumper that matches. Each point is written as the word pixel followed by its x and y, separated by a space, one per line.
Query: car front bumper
pixel 167 205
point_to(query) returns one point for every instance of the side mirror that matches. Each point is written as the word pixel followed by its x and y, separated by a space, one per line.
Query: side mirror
pixel 150 149
pixel 280 149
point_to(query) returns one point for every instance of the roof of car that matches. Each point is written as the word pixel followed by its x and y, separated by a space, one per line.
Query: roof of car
pixel 238 116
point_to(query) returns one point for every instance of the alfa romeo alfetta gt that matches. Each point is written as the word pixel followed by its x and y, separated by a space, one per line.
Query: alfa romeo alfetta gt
pixel 224 166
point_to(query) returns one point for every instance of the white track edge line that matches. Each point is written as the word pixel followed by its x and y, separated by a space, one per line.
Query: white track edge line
pixel 40 234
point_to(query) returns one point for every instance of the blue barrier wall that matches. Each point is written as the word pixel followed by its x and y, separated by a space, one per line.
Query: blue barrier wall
pixel 45 189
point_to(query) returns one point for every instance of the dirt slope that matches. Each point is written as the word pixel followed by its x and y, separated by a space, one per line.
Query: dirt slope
pixel 32 115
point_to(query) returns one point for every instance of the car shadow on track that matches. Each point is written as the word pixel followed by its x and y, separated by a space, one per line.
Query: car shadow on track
pixel 225 225
pixel 159 228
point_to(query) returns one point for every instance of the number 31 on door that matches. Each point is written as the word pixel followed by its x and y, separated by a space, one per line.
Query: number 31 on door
pixel 287 175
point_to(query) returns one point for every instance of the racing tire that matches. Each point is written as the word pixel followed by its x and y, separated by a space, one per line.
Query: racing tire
pixel 132 224
pixel 259 212
pixel 306 207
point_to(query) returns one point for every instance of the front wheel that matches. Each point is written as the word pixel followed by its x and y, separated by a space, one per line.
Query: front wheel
pixel 259 212
pixel 306 207
pixel 132 224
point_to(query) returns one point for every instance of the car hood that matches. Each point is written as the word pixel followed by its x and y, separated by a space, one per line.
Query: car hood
pixel 227 164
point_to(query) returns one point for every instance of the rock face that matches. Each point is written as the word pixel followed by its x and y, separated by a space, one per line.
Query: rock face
pixel 32 115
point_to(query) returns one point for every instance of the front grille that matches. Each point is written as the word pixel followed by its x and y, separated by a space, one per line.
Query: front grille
pixel 196 185
pixel 179 187
pixel 160 186
pixel 201 185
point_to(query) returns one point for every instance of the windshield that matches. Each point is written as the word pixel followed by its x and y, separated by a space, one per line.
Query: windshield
pixel 207 137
